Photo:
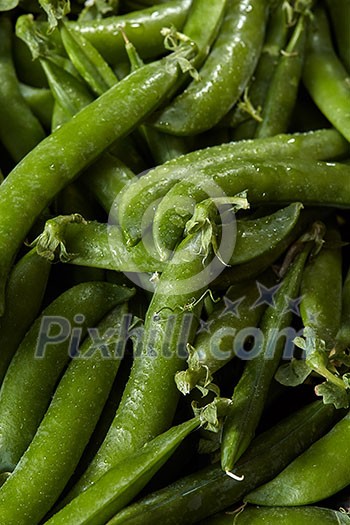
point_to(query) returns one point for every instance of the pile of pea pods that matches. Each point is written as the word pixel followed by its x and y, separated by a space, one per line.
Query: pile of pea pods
pixel 174 262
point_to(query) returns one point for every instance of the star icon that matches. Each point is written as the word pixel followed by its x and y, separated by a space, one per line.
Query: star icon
pixel 204 326
pixel 232 307
pixel 266 295
pixel 313 318
pixel 292 305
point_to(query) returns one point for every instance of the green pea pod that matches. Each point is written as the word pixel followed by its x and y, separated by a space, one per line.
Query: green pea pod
pixel 284 85
pixel 67 90
pixel 250 394
pixel 280 243
pixel 325 77
pixel 256 237
pixel 106 178
pixel 67 425
pixel 320 305
pixel 203 25
pixel 343 336
pixel 340 15
pixel 150 396
pixel 97 245
pixel 221 336
pixel 20 130
pixel 269 453
pixel 71 95
pixel 74 146
pixel 163 147
pixel 25 291
pixel 224 74
pixel 40 359
pixel 305 181
pixel 59 116
pixel 115 489
pixel 281 516
pixel 88 61
pixel 140 196
pixel 247 112
pixel 143 28
pixel 310 478
pixel 40 102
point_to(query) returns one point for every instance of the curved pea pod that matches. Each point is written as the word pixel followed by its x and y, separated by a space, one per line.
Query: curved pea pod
pixel 304 181
pixel 210 490
pixel 343 336
pixel 40 359
pixel 224 75
pixel 325 77
pixel 281 516
pixel 74 146
pixel 321 471
pixel 72 239
pixel 20 130
pixel 321 287
pixel 143 28
pixel 25 291
pixel 117 487
pixel 141 195
pixel 150 397
pixel 250 393
pixel 222 335
pixel 59 442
